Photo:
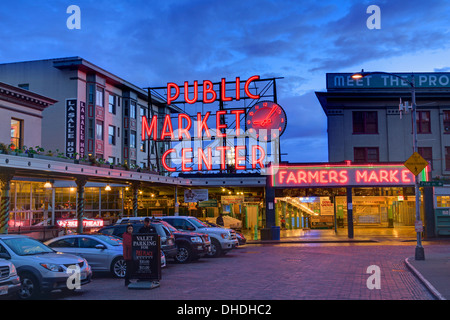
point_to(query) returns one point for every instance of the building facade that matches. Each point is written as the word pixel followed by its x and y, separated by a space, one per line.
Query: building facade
pixel 367 125
pixel 97 114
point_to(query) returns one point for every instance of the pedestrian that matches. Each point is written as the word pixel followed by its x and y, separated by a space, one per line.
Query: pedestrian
pixel 219 220
pixel 127 253
pixel 147 228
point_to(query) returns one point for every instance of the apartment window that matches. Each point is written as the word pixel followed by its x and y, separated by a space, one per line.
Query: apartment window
pixel 447 158
pixel 91 129
pixel 133 110
pixel 112 160
pixel 112 104
pixel 446 121
pixel 125 137
pixel 112 135
pixel 365 122
pixel 366 155
pixel 91 94
pixel 427 154
pixel 133 139
pixel 143 145
pixel 423 122
pixel 17 133
pixel 99 97
pixel 99 130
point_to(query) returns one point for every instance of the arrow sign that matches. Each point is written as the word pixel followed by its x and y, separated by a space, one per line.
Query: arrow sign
pixel 416 163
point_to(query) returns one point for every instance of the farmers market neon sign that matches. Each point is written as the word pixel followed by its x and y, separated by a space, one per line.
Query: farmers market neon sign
pixel 342 175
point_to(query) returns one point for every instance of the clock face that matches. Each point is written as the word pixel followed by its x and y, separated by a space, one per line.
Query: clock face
pixel 263 118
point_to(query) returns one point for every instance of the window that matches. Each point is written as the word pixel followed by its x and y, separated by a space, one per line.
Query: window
pixel 64 243
pixel 112 160
pixel 91 94
pixel 17 133
pixel 446 121
pixel 87 243
pixel 447 158
pixel 142 146
pixel 99 130
pixel 365 122
pixel 99 97
pixel 427 154
pixel 133 139
pixel 133 110
pixel 423 122
pixel 366 155
pixel 112 104
pixel 25 86
pixel 112 135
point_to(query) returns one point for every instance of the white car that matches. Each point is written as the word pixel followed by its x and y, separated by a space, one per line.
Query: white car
pixel 9 280
pixel 40 268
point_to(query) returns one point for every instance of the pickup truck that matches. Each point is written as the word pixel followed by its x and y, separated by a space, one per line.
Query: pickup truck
pixel 222 240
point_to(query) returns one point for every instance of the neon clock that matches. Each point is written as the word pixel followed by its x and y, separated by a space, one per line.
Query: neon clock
pixel 264 117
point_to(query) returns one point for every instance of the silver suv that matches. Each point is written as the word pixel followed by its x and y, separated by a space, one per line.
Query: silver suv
pixel 40 268
pixel 9 280
pixel 222 239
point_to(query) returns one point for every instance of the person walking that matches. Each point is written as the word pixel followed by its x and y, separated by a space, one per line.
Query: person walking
pixel 127 252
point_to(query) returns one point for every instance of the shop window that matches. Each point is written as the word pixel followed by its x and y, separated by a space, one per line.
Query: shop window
pixel 366 155
pixel 443 201
pixel 17 133
pixel 423 122
pixel 447 158
pixel 427 154
pixel 365 122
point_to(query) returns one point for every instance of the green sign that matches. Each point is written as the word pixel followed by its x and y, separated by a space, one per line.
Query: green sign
pixel 208 203
pixel 431 183
pixel 421 80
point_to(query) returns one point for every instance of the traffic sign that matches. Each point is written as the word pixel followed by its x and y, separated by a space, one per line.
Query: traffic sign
pixel 416 163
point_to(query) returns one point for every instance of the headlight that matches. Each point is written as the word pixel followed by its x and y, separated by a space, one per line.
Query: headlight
pixel 196 239
pixel 12 271
pixel 225 235
pixel 52 267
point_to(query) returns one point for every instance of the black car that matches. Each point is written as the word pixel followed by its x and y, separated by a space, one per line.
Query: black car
pixel 191 245
pixel 168 245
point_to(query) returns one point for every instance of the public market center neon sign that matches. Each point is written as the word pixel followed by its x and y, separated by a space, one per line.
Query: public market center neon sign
pixel 203 157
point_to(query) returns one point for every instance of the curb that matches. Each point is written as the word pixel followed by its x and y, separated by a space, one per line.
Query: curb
pixel 307 241
pixel 424 281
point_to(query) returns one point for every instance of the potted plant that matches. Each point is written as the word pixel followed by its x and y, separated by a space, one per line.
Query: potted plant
pixel 3 148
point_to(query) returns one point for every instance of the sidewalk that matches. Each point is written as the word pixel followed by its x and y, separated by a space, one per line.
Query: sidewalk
pixel 433 272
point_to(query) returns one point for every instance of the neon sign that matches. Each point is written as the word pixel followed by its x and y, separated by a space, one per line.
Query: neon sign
pixel 204 141
pixel 73 223
pixel 341 175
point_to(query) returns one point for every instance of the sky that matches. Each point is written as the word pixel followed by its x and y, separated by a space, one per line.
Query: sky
pixel 152 42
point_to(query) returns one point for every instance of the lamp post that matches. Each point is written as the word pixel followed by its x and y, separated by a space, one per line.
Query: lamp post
pixel 419 252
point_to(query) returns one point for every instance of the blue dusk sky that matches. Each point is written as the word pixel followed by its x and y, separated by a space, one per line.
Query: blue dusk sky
pixel 153 42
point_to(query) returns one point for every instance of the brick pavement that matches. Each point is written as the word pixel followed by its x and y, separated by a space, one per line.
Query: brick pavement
pixel 276 272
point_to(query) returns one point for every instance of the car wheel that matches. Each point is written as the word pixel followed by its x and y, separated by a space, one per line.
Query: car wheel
pixel 119 267
pixel 30 286
pixel 216 249
pixel 184 254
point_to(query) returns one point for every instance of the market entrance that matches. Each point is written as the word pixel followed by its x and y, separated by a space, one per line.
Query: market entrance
pixel 348 199
pixel 376 211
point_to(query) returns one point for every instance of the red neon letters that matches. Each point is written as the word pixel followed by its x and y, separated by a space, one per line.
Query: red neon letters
pixel 343 176
pixel 209 94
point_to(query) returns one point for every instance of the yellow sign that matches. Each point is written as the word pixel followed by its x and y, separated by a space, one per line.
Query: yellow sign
pixel 416 163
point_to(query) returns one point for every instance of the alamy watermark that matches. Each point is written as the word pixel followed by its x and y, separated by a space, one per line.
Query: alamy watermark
pixel 74 20
pixel 374 281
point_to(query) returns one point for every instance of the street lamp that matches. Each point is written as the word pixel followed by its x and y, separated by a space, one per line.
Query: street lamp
pixel 419 253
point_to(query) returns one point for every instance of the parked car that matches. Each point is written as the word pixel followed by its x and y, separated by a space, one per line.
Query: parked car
pixel 9 280
pixel 241 238
pixel 168 245
pixel 222 240
pixel 102 252
pixel 40 268
pixel 191 245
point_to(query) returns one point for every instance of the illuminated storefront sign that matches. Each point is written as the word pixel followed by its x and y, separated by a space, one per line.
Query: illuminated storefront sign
pixel 73 223
pixel 341 175
pixel 206 140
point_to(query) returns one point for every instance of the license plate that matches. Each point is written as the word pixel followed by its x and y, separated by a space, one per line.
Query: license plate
pixel 3 290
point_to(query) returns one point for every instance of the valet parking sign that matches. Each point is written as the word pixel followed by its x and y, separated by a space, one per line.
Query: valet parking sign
pixel 147 256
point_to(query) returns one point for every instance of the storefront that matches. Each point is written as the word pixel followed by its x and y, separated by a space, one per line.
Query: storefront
pixel 343 196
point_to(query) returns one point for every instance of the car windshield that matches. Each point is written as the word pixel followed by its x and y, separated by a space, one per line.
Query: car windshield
pixel 197 223
pixel 111 240
pixel 26 246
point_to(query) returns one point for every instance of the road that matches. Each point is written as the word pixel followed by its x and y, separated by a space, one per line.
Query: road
pixel 277 272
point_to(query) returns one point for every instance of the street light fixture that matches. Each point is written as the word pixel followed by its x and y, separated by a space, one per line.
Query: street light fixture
pixel 419 253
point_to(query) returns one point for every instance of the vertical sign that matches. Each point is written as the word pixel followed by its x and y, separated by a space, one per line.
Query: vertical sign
pixel 71 127
pixel 146 252
pixel 82 128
